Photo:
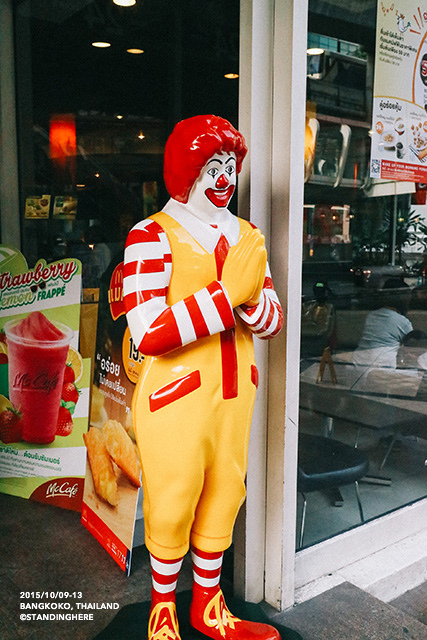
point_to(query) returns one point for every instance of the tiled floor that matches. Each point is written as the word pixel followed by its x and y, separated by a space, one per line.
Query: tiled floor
pixel 405 466
pixel 46 549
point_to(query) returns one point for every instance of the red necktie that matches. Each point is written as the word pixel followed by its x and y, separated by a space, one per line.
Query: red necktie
pixel 228 337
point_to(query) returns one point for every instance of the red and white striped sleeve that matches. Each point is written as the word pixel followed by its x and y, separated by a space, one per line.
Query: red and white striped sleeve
pixel 265 320
pixel 156 327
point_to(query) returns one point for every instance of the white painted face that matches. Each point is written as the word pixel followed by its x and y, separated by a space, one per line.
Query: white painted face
pixel 215 185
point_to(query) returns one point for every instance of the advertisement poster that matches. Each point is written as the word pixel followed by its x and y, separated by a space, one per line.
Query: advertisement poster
pixel 399 120
pixel 44 383
pixel 112 499
pixel 37 207
pixel 65 207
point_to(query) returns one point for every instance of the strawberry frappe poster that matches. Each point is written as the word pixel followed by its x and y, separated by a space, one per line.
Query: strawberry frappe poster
pixel 44 381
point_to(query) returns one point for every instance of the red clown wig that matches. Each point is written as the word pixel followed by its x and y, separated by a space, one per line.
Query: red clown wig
pixel 190 145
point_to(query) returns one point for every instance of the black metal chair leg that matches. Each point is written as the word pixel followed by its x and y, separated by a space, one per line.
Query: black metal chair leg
pixel 359 502
pixel 391 445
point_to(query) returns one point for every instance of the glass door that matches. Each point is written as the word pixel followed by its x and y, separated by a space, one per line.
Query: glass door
pixel 363 377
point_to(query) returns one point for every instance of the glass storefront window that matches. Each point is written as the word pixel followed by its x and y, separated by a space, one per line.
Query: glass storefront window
pixel 363 373
pixel 93 120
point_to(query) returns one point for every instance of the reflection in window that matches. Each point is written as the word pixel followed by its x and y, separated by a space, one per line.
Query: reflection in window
pixel 364 305
pixel 94 120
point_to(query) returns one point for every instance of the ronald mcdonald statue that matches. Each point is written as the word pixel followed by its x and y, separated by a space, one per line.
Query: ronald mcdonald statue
pixel 197 287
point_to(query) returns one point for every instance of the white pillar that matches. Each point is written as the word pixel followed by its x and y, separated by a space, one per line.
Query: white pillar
pixel 273 39
pixel 255 122
pixel 290 44
pixel 9 189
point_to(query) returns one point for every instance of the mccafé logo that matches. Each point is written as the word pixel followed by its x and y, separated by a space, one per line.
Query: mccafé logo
pixel 115 293
pixel 65 489
pixel 41 382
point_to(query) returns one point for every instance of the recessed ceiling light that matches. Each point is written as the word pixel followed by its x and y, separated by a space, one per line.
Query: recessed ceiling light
pixel 101 45
pixel 125 3
pixel 141 135
pixel 119 117
pixel 315 51
pixel 135 51
pixel 231 76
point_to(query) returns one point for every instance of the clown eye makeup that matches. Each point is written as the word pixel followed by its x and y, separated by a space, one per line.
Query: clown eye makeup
pixel 215 185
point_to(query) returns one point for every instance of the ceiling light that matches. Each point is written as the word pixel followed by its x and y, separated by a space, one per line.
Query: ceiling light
pixel 231 76
pixel 125 3
pixel 101 45
pixel 135 51
pixel 119 117
pixel 315 51
pixel 141 135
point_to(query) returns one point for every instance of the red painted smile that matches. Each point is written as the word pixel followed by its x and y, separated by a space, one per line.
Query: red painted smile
pixel 220 197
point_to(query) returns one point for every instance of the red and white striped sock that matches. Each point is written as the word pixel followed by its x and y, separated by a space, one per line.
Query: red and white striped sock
pixel 206 567
pixel 164 575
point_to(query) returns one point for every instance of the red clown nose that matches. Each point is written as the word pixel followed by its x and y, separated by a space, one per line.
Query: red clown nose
pixel 222 182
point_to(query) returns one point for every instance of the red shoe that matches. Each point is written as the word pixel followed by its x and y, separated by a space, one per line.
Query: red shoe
pixel 163 621
pixel 209 615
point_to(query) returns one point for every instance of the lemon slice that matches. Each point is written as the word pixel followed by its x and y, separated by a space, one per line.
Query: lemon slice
pixel 74 359
pixel 3 348
pixel 5 403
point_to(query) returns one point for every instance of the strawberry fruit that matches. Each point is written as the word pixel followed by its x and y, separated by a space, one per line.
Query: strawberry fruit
pixel 69 375
pixel 10 426
pixel 65 422
pixel 70 393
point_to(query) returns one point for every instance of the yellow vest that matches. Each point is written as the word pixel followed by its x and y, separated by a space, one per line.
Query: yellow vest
pixel 193 268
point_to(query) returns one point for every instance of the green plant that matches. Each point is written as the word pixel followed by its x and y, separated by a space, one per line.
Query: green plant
pixel 407 221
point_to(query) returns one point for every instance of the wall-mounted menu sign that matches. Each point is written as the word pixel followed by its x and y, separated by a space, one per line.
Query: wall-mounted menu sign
pixel 65 207
pixel 399 117
pixel 37 206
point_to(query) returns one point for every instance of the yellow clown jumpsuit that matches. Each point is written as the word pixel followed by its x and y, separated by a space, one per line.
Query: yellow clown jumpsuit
pixel 193 443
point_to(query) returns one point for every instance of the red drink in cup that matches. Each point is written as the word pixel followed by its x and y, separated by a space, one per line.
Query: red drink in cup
pixel 37 351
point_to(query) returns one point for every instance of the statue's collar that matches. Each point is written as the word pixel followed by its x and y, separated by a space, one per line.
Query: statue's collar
pixel 205 232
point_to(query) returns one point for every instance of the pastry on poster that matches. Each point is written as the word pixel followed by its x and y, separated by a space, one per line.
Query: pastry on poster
pixel 101 465
pixel 122 450
pixel 108 448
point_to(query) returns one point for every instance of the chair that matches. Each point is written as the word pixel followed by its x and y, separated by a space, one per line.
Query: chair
pixel 324 463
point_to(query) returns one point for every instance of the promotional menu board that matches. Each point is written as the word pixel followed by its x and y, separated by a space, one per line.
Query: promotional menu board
pixel 399 119
pixel 112 502
pixel 44 382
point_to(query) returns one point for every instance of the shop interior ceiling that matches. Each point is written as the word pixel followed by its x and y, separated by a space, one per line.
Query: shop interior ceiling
pixel 52 10
pixel 188 47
